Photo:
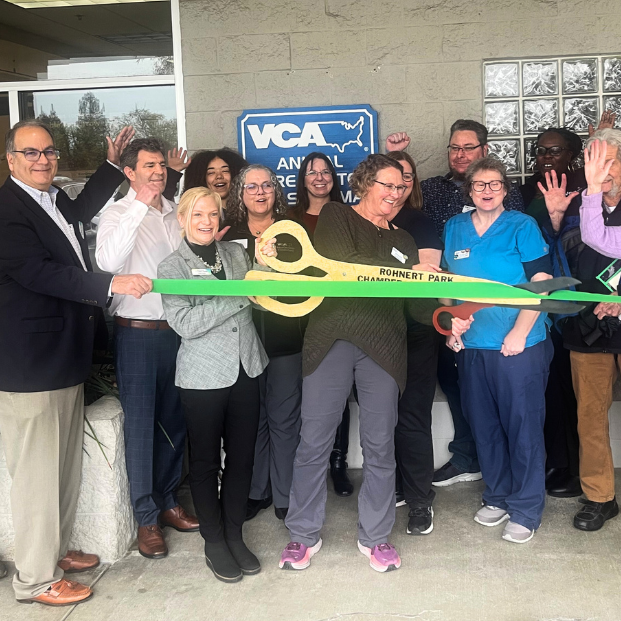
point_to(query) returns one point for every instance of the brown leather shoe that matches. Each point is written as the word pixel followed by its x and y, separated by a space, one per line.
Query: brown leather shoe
pixel 151 542
pixel 61 593
pixel 76 560
pixel 178 519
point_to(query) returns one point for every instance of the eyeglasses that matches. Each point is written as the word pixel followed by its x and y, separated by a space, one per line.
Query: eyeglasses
pixel 33 155
pixel 494 186
pixel 553 151
pixel 453 148
pixel 391 187
pixel 408 177
pixel 253 188
pixel 318 173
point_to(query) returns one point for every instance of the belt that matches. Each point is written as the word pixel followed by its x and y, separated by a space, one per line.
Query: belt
pixel 154 324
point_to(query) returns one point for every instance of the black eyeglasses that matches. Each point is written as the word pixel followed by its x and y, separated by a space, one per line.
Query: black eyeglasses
pixel 391 187
pixel 494 186
pixel 553 151
pixel 33 155
pixel 453 148
pixel 408 177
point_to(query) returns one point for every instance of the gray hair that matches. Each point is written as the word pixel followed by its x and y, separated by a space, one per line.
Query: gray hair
pixel 10 135
pixel 485 163
pixel 236 211
pixel 611 136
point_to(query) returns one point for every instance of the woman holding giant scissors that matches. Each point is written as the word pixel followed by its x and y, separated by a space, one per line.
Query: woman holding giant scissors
pixel 361 340
pixel 503 370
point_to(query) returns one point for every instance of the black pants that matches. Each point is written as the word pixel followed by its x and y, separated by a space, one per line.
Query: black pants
pixel 561 426
pixel 231 414
pixel 413 441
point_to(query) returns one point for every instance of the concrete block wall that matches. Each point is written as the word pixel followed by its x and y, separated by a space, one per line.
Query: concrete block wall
pixel 417 62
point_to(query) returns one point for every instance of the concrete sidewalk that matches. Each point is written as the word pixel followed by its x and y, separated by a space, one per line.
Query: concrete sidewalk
pixel 460 572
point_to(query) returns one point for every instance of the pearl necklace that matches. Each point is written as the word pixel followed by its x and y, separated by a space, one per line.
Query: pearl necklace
pixel 217 266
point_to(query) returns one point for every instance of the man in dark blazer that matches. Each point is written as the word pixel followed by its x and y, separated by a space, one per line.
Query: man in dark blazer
pixel 47 298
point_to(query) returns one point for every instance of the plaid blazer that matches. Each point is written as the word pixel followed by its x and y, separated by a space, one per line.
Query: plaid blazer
pixel 216 332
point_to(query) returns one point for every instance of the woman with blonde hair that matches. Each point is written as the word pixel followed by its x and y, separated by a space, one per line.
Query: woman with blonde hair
pixel 218 368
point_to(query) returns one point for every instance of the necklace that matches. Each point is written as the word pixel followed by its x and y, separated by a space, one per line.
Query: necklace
pixel 259 232
pixel 217 266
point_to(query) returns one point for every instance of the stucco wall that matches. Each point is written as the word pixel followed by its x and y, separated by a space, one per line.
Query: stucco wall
pixel 417 62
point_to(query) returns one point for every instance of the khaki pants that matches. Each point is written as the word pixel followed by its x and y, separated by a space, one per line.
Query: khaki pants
pixel 42 434
pixel 593 376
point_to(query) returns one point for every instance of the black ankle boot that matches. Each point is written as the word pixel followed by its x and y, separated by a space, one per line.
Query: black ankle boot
pixel 247 561
pixel 338 471
pixel 221 561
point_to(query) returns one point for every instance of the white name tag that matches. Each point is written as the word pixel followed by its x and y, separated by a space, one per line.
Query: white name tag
pixel 201 271
pixel 467 208
pixel 241 242
pixel 399 255
pixel 462 254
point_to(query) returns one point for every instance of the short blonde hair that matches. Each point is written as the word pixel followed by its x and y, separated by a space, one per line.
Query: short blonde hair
pixel 189 198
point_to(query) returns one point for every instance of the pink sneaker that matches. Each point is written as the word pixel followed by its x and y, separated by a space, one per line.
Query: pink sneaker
pixel 382 557
pixel 297 555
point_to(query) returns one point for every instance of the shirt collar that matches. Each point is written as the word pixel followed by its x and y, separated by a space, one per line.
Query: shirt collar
pixel 34 192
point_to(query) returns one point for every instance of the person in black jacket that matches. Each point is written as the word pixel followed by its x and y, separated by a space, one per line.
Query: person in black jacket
pixel 256 201
pixel 48 296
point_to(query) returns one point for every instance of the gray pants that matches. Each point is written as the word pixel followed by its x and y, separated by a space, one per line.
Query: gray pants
pixel 42 434
pixel 279 429
pixel 323 397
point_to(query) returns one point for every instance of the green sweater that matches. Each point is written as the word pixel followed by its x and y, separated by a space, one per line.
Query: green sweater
pixel 376 325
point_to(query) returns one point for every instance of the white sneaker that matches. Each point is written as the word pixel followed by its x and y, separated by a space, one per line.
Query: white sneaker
pixel 490 516
pixel 516 533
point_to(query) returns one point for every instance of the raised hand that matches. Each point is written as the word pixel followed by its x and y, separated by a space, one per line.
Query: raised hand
pixel 556 197
pixel 596 167
pixel 607 121
pixel 178 159
pixel 399 141
pixel 131 284
pixel 149 194
pixel 117 146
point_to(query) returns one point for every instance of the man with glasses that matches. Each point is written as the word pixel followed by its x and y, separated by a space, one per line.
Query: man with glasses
pixel 443 199
pixel 47 326
pixel 137 233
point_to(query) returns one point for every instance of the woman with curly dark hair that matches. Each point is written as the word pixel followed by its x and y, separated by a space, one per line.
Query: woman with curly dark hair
pixel 255 202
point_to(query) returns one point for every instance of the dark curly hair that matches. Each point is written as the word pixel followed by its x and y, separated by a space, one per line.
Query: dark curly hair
pixel 302 201
pixel 236 211
pixel 196 172
pixel 366 172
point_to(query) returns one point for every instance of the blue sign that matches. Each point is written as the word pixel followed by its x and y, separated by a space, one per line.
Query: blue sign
pixel 281 138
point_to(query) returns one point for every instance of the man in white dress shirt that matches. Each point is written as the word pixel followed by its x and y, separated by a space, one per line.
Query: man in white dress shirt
pixel 137 233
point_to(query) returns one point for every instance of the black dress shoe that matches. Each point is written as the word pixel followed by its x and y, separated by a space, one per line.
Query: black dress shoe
pixel 280 513
pixel 338 471
pixel 247 561
pixel 254 506
pixel 566 488
pixel 593 514
pixel 221 561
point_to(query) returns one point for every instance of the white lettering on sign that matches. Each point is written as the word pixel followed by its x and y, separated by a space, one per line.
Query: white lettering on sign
pixel 289 135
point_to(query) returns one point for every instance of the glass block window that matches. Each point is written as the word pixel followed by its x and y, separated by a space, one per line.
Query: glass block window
pixel 524 97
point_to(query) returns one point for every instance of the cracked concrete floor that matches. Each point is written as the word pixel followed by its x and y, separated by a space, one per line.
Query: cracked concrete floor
pixel 460 572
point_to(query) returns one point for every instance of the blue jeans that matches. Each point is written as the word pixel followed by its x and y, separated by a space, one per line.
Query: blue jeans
pixel 145 371
pixel 462 446
pixel 504 401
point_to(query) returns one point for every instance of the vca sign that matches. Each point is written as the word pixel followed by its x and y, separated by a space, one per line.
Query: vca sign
pixel 281 139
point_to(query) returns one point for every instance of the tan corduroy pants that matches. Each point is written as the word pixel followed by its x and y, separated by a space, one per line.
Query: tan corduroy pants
pixel 593 376
pixel 42 435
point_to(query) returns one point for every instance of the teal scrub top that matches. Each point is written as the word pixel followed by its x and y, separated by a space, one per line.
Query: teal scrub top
pixel 513 239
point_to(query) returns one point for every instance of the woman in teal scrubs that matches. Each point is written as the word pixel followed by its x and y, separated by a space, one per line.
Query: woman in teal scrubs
pixel 504 359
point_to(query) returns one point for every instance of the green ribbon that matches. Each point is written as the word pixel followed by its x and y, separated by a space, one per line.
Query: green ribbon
pixel 355 289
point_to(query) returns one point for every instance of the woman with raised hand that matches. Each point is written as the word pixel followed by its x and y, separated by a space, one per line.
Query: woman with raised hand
pixel 218 368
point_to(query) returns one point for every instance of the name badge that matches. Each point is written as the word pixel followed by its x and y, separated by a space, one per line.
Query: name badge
pixel 462 254
pixel 81 225
pixel 399 255
pixel 241 242
pixel 467 208
pixel 202 271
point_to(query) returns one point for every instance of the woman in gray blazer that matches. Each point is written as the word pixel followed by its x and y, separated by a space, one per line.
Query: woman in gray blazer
pixel 218 368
